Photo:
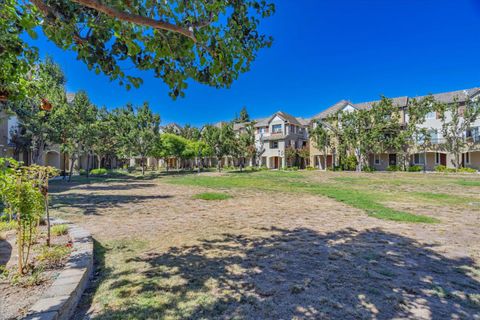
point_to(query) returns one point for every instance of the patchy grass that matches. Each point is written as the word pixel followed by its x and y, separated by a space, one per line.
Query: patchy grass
pixel 59 229
pixel 469 183
pixel 212 196
pixel 368 201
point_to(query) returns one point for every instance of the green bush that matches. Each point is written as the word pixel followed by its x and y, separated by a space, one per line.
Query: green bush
pixel 350 163
pixel 310 168
pixel 293 168
pixel 393 168
pixel 441 168
pixel 263 168
pixel 53 256
pixel 99 172
pixel 369 169
pixel 7 225
pixel 131 169
pixel 415 168
pixel 82 172
pixel 59 229
pixel 467 170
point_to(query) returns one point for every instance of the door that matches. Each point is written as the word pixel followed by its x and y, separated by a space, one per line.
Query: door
pixel 392 159
pixel 329 161
pixel 276 162
pixel 443 159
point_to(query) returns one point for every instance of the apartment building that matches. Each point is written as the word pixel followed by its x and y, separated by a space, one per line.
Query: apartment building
pixel 276 133
pixel 431 157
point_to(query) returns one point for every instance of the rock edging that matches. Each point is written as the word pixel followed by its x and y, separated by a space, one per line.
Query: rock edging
pixel 62 297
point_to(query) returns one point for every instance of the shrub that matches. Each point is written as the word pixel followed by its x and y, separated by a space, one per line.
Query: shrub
pixel 467 170
pixel 441 168
pixel 99 172
pixel 53 256
pixel 393 168
pixel 310 168
pixel 59 229
pixel 263 168
pixel 8 225
pixel 82 172
pixel 131 169
pixel 350 163
pixel 369 169
pixel 415 168
pixel 293 168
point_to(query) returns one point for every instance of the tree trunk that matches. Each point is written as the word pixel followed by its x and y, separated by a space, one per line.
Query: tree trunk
pixel 72 162
pixel 143 166
pixel 88 165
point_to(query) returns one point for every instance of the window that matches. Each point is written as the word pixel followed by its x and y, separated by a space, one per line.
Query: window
pixel 277 128
pixel 437 158
pixel 419 158
pixel 431 115
pixel 466 157
pixel 273 144
pixel 376 158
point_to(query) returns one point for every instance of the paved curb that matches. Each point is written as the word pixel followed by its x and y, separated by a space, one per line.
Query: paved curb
pixel 61 299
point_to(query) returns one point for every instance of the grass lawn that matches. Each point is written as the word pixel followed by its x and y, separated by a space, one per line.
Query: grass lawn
pixel 212 196
pixel 286 245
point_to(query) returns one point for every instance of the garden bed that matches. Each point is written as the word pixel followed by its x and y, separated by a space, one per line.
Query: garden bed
pixel 19 293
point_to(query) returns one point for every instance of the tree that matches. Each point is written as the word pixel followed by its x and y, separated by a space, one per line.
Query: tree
pixel 106 141
pixel 220 139
pixel 304 154
pixel 174 146
pixel 244 117
pixel 139 128
pixel 369 131
pixel 17 58
pixel 75 122
pixel 406 141
pixel 456 119
pixel 45 87
pixel 322 138
pixel 290 155
pixel 190 133
pixel 246 144
pixel 209 41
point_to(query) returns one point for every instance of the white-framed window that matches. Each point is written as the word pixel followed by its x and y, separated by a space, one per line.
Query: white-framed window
pixel 277 128
pixel 419 158
pixel 273 144
pixel 431 115
pixel 376 158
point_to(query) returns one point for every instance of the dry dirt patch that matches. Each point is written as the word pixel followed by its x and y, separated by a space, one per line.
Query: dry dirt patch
pixel 268 255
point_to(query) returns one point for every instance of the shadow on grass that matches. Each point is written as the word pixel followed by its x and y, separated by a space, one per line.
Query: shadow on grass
pixel 91 203
pixel 296 273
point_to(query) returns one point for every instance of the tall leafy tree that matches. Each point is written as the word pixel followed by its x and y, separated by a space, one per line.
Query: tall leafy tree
pixel 190 133
pixel 243 117
pixel 45 95
pixel 405 141
pixel 106 141
pixel 139 128
pixel 209 41
pixel 174 146
pixel 456 119
pixel 75 122
pixel 221 141
pixel 322 138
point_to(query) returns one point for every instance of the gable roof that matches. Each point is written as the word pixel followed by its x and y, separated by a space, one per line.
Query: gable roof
pixel 285 116
pixel 397 102
pixel 335 108
pixel 449 97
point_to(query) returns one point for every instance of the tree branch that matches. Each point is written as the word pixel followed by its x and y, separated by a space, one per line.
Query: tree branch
pixel 134 18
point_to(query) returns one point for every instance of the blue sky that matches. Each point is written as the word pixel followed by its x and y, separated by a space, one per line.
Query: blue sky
pixel 324 51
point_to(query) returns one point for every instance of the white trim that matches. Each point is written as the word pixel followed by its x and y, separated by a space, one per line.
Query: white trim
pixel 467 156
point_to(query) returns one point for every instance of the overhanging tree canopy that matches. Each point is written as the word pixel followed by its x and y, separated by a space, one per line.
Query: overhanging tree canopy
pixel 209 41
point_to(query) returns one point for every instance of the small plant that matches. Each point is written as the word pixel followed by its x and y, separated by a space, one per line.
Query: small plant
pixel 7 225
pixel 467 170
pixel 369 169
pixel 310 168
pixel 393 168
pixel 441 168
pixel 99 172
pixel 350 163
pixel 415 168
pixel 212 196
pixel 82 172
pixel 53 256
pixel 131 169
pixel 59 229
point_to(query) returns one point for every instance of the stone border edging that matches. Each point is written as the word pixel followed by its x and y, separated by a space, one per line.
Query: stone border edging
pixel 59 301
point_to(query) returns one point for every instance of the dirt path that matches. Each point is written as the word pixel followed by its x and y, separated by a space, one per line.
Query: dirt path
pixel 276 255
